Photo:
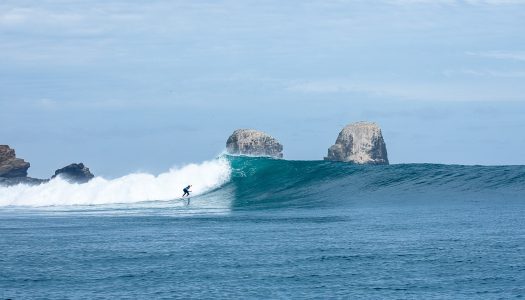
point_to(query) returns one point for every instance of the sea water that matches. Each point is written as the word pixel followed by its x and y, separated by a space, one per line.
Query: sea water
pixel 267 228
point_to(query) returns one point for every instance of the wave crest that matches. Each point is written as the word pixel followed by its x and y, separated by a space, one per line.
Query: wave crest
pixel 131 188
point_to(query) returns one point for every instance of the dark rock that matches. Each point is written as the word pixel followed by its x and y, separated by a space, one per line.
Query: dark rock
pixel 360 143
pixel 253 142
pixel 74 173
pixel 13 170
pixel 10 166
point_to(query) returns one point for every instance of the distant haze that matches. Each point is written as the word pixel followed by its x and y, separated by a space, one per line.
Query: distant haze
pixel 129 86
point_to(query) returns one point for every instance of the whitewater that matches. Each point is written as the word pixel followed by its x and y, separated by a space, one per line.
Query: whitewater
pixel 260 178
pixel 136 187
pixel 259 228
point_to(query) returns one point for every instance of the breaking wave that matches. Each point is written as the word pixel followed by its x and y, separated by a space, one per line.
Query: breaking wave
pixel 131 188
pixel 255 182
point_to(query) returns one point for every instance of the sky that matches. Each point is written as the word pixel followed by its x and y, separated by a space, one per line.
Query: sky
pixel 127 86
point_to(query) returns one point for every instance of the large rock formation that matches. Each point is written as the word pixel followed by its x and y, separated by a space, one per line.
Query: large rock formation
pixel 10 166
pixel 13 170
pixel 360 143
pixel 75 173
pixel 253 142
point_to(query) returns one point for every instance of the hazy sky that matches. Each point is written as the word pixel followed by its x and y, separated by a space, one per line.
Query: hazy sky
pixel 145 85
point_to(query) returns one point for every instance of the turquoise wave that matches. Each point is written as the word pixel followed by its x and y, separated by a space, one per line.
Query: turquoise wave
pixel 267 182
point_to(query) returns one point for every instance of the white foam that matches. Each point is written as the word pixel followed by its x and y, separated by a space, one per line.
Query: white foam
pixel 131 188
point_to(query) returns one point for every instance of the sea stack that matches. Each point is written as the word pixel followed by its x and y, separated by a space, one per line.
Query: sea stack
pixel 360 143
pixel 253 142
pixel 13 170
pixel 10 165
pixel 74 173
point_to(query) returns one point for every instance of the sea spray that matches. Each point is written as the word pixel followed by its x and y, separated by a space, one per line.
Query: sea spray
pixel 131 188
pixel 242 182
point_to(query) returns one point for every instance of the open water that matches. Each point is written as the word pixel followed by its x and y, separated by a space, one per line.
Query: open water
pixel 265 228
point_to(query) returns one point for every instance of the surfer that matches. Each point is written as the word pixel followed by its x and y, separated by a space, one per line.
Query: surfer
pixel 186 191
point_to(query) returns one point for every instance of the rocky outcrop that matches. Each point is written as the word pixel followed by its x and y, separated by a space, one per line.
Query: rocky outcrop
pixel 360 143
pixel 13 170
pixel 74 173
pixel 10 165
pixel 253 142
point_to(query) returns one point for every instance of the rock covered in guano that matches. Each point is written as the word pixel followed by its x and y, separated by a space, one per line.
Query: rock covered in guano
pixel 360 143
pixel 253 142
pixel 10 165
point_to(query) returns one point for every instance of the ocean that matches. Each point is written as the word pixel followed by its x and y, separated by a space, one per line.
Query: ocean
pixel 261 228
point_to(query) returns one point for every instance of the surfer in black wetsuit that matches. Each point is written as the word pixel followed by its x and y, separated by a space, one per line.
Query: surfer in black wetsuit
pixel 186 191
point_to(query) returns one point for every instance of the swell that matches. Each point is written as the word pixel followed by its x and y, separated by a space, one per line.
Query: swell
pixel 275 182
pixel 242 182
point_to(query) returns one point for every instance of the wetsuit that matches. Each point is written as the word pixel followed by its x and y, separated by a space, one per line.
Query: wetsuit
pixel 186 191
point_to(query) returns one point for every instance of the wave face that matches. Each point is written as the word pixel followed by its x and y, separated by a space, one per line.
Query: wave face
pixel 264 182
pixel 131 188
pixel 254 182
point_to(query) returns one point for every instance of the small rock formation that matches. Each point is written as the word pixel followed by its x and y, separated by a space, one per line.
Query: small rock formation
pixel 10 166
pixel 74 173
pixel 360 143
pixel 253 142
